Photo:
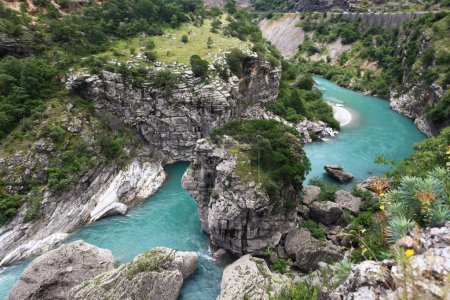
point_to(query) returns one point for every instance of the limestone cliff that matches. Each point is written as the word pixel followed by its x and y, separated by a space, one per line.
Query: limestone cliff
pixel 173 122
pixel 238 215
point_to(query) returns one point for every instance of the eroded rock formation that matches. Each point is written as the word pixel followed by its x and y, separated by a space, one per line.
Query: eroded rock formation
pixel 157 274
pixel 238 215
pixel 174 121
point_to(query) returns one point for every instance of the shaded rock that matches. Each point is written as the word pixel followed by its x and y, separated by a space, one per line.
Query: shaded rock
pixel 250 277
pixel 156 274
pixel 310 254
pixel 51 275
pixel 326 212
pixel 348 202
pixel 337 172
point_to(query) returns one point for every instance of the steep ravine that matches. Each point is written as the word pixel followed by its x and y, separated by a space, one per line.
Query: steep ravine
pixel 170 124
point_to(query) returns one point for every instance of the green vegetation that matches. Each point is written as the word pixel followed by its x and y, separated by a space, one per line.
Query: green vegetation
pixel 150 260
pixel 423 201
pixel 199 66
pixel 375 64
pixel 275 159
pixel 314 229
pixel 298 100
pixel 327 190
pixel 278 264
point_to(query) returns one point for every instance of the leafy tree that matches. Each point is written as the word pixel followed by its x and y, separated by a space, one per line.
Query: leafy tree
pixel 184 39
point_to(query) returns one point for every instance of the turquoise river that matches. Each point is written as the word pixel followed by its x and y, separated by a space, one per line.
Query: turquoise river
pixel 169 218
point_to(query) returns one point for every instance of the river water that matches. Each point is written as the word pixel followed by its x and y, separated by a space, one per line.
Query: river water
pixel 169 218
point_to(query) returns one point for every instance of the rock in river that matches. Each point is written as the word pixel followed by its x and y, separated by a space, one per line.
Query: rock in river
pixel 337 172
pixel 156 274
pixel 51 275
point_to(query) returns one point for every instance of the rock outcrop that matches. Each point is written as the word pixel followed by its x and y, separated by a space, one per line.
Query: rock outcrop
pixel 238 215
pixel 250 278
pixel 414 104
pixel 338 173
pixel 174 121
pixel 424 275
pixel 51 275
pixel 103 191
pixel 157 274
pixel 307 252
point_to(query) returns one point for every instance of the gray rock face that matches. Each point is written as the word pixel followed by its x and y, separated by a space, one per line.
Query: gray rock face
pixel 100 192
pixel 51 275
pixel 368 279
pixel 174 121
pixel 326 212
pixel 337 172
pixel 157 274
pixel 308 252
pixel 250 277
pixel 310 193
pixel 12 46
pixel 414 104
pixel 239 216
pixel 348 202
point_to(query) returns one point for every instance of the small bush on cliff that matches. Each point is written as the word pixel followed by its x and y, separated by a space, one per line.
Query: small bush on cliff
pixel 235 59
pixel 199 66
pixel 314 229
pixel 275 152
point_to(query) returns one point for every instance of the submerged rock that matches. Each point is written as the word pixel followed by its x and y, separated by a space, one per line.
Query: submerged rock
pixel 250 278
pixel 157 274
pixel 51 275
pixel 337 172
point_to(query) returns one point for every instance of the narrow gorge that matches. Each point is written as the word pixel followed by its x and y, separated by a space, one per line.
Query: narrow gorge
pixel 274 150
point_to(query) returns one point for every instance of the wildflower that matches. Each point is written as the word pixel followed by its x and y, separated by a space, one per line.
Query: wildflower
pixel 363 230
pixel 382 207
pixel 382 195
pixel 409 252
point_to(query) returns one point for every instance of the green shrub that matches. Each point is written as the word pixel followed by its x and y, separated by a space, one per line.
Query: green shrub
pixel 314 229
pixel 299 291
pixel 184 39
pixel 151 56
pixel 199 66
pixel 327 190
pixel 9 204
pixel 235 60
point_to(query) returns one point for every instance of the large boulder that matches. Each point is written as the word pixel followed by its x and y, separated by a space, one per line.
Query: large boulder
pixel 325 212
pixel 308 252
pixel 250 278
pixel 348 202
pixel 295 239
pixel 53 274
pixel 157 274
pixel 310 194
pixel 337 172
